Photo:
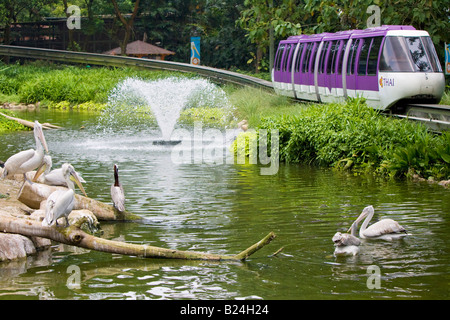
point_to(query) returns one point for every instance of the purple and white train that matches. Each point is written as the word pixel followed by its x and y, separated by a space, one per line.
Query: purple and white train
pixel 387 65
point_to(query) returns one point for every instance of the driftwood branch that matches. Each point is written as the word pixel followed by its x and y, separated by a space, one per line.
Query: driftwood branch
pixel 73 235
pixel 30 124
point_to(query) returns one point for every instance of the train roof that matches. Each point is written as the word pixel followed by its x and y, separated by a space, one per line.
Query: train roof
pixel 349 33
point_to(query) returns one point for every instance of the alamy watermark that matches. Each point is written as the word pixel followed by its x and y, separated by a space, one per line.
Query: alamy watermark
pixel 74 20
pixel 216 147
pixel 74 280
pixel 374 279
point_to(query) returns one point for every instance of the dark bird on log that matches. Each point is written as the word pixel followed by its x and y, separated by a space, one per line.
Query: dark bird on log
pixel 117 193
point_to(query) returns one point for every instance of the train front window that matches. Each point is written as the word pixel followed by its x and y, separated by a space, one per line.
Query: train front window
pixel 408 54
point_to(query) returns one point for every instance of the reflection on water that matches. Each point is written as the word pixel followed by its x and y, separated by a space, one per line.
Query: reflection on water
pixel 224 209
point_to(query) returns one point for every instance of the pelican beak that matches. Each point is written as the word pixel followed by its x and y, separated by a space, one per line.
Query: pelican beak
pixel 42 138
pixel 74 178
pixel 40 171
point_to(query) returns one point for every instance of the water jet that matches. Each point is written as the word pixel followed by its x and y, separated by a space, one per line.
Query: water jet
pixel 162 100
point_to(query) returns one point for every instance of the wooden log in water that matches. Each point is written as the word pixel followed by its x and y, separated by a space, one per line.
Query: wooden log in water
pixel 34 194
pixel 73 235
pixel 30 124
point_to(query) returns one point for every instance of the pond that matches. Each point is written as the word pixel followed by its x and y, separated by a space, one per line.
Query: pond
pixel 224 208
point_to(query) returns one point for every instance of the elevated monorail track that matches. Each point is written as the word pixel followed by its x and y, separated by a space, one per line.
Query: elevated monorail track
pixel 437 117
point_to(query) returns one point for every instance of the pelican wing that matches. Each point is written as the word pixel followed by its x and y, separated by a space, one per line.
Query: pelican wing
pixel 118 197
pixel 14 163
pixel 382 227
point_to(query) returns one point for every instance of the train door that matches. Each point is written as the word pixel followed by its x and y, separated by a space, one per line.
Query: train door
pixel 351 68
pixel 339 67
pixel 286 78
pixel 367 70
pixel 296 73
pixel 331 69
pixel 321 69
pixel 312 95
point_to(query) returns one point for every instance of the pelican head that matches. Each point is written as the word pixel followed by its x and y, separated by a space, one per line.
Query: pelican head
pixel 366 212
pixel 39 135
pixel 71 176
pixel 44 167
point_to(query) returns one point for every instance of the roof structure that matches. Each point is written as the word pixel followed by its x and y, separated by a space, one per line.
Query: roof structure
pixel 140 49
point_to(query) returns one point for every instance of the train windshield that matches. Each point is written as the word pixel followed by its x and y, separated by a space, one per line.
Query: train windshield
pixel 409 54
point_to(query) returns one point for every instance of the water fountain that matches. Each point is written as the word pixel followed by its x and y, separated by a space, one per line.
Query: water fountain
pixel 164 99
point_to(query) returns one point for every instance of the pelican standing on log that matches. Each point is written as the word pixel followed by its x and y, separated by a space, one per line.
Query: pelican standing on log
pixel 28 160
pixel 385 229
pixel 61 202
pixel 346 244
pixel 54 177
pixel 117 193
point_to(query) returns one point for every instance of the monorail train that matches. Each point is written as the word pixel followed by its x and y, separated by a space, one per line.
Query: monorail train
pixel 387 65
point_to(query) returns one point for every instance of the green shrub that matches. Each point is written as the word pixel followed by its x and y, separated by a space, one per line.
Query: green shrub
pixel 7 125
pixel 355 136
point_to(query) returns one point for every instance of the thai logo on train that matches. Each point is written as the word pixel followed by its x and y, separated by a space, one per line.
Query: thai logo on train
pixel 387 82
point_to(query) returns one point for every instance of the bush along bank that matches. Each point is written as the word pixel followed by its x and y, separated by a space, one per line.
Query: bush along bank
pixel 355 137
pixel 7 125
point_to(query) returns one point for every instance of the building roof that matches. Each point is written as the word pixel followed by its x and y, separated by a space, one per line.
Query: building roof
pixel 141 48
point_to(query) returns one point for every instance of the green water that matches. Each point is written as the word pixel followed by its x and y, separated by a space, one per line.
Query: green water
pixel 224 208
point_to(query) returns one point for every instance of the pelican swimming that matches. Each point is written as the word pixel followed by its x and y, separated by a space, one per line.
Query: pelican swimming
pixel 386 229
pixel 117 194
pixel 61 202
pixel 54 177
pixel 346 244
pixel 28 160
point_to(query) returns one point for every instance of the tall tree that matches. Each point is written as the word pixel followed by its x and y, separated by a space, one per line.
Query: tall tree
pixel 127 23
pixel 260 17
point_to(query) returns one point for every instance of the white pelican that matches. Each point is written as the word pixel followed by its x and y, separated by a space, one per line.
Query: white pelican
pixel 386 229
pixel 61 202
pixel 346 244
pixel 117 194
pixel 53 177
pixel 28 160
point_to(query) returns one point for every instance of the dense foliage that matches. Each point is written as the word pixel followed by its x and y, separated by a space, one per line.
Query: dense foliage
pixel 355 136
pixel 235 33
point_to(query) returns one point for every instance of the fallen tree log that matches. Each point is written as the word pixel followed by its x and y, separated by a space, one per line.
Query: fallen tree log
pixel 74 236
pixel 30 124
pixel 34 194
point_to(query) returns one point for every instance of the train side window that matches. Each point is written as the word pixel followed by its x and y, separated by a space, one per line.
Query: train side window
pixel 331 66
pixel 306 56
pixel 395 56
pixel 279 56
pixel 298 61
pixel 352 57
pixel 373 56
pixel 341 57
pixel 323 55
pixel 362 64
pixel 286 57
